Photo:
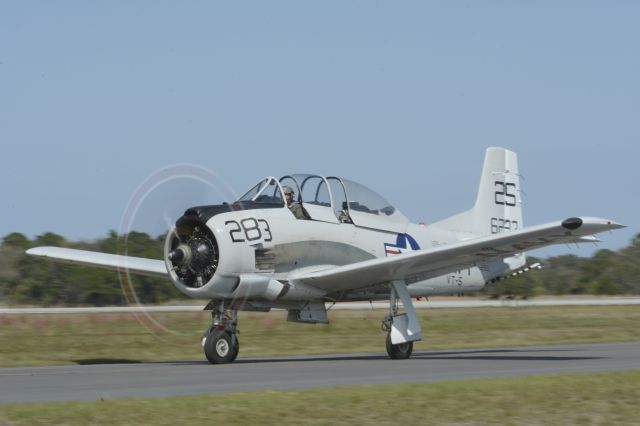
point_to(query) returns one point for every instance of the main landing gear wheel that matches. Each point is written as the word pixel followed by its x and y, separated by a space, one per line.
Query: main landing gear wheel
pixel 399 351
pixel 220 347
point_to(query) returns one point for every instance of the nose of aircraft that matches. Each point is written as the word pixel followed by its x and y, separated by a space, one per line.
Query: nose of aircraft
pixel 191 254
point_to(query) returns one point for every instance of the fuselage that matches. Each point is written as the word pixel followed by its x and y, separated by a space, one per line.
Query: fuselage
pixel 271 243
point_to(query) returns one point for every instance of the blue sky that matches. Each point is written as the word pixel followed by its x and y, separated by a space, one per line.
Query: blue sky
pixel 401 96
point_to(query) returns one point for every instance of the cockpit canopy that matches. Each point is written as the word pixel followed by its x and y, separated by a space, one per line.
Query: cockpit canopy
pixel 330 199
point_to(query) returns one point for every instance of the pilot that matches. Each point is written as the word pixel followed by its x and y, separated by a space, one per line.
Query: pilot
pixel 343 216
pixel 296 208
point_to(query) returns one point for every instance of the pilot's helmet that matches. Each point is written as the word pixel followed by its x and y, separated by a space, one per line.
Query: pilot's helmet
pixel 288 190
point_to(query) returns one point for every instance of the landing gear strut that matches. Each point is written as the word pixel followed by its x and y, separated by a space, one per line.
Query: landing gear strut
pixel 220 341
pixel 402 329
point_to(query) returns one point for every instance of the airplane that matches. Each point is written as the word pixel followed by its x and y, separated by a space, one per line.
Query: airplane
pixel 351 244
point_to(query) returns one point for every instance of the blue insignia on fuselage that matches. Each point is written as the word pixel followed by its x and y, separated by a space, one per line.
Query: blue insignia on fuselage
pixel 404 243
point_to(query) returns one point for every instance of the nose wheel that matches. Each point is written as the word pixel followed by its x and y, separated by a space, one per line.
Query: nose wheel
pixel 220 341
pixel 221 347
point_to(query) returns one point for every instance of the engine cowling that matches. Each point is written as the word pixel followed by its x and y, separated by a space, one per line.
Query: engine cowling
pixel 200 261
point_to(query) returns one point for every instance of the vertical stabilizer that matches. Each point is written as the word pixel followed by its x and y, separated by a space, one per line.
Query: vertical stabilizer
pixel 498 206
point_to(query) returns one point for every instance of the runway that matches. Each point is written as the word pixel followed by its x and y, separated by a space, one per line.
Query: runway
pixel 164 379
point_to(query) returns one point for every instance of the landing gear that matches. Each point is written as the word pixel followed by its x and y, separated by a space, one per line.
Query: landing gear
pixel 402 329
pixel 220 341
pixel 220 347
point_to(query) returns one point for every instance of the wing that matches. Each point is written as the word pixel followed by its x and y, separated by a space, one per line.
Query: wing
pixel 114 262
pixel 440 260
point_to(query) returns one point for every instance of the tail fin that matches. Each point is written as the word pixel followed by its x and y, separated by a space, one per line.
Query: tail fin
pixel 498 207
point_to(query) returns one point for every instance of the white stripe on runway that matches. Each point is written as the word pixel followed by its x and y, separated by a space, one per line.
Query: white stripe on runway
pixel 437 303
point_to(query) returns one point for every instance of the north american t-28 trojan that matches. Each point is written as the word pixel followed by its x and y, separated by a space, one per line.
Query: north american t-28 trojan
pixel 349 244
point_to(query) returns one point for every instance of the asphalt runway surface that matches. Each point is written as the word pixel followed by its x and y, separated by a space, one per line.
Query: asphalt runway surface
pixel 165 379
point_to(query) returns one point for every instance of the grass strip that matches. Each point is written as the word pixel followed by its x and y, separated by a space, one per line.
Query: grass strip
pixel 570 399
pixel 28 340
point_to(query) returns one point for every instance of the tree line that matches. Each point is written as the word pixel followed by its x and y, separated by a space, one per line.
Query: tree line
pixel 607 272
pixel 28 280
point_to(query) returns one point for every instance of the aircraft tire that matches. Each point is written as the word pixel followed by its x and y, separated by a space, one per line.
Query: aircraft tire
pixel 400 351
pixel 236 349
pixel 219 349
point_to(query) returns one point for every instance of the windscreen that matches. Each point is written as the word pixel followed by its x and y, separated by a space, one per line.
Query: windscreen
pixel 265 191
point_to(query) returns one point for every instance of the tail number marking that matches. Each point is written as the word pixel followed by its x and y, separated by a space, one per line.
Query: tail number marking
pixel 501 225
pixel 505 194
